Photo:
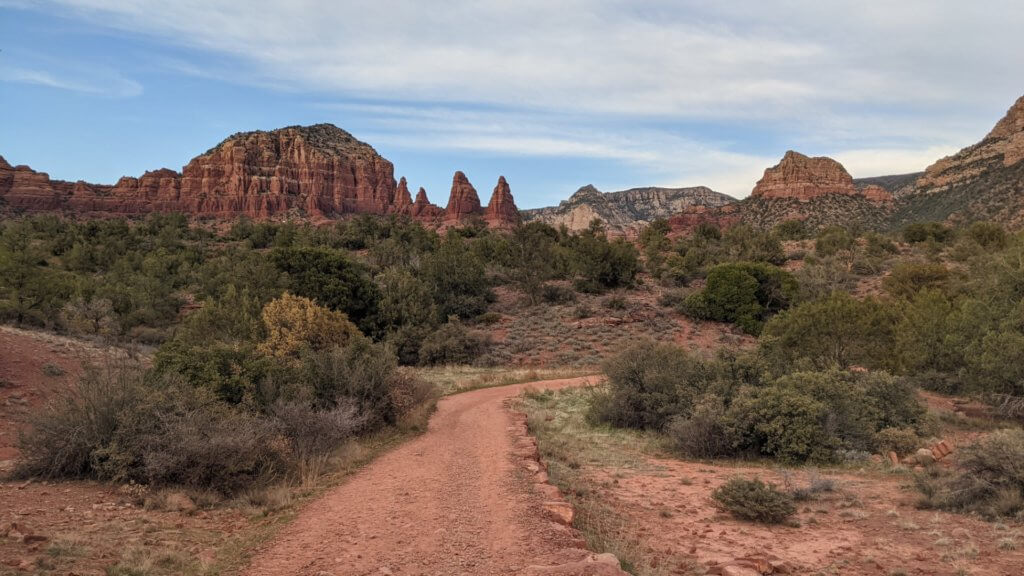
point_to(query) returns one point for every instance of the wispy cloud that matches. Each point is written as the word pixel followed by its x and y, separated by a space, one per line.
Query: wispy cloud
pixel 99 83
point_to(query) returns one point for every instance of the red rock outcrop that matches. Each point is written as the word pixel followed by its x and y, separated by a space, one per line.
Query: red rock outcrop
pixel 319 171
pixel 314 172
pixel 501 211
pixel 423 210
pixel 685 222
pixel 463 203
pixel 804 178
pixel 876 193
pixel 403 200
pixel 1003 147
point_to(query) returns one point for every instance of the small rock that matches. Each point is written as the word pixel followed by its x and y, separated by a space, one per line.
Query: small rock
pixel 561 512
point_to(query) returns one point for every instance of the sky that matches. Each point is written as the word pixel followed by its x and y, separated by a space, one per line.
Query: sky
pixel 551 94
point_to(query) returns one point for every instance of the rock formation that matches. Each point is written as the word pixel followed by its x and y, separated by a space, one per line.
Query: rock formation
pixel 804 178
pixel 876 193
pixel 403 200
pixel 1003 147
pixel 625 212
pixel 685 222
pixel 501 211
pixel 463 203
pixel 423 210
pixel 316 172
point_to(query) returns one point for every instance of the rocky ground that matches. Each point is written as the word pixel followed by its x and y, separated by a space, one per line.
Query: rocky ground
pixel 656 511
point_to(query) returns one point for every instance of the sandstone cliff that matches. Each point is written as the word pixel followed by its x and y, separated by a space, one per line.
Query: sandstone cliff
pixel 626 211
pixel 316 172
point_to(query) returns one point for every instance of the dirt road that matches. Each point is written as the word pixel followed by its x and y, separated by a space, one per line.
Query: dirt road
pixel 448 502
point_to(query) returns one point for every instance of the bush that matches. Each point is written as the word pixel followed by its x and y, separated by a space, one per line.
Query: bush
pixel 833 240
pixel 746 293
pixel 295 325
pixel 907 279
pixel 332 280
pixel 314 435
pixel 781 422
pixel 924 231
pixel 988 235
pixel 990 480
pixel 705 433
pixel 649 384
pixel 362 373
pixel 452 343
pixel 616 302
pixel 555 294
pixel 754 500
pixel 115 427
pixel 605 264
pixel 792 230
pixel 455 275
pixel 838 330
pixel 902 441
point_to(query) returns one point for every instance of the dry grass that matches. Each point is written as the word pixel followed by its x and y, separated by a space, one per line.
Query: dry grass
pixel 567 443
pixel 455 379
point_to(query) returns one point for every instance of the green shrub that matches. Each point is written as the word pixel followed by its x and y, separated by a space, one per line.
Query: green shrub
pixel 746 293
pixel 604 264
pixel 333 280
pixel 452 343
pixel 918 232
pixel 833 240
pixel 792 230
pixel 899 440
pixel 616 302
pixel 362 373
pixel 754 500
pixel 988 235
pixel 781 422
pixel 455 275
pixel 649 384
pixel 555 294
pixel 908 278
pixel 838 330
pixel 704 433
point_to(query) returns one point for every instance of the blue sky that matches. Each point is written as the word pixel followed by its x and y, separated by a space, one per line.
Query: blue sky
pixel 553 95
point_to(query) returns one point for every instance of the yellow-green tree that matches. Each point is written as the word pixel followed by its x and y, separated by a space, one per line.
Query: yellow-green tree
pixel 295 324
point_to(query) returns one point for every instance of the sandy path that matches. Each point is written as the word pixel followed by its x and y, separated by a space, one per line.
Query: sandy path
pixel 448 502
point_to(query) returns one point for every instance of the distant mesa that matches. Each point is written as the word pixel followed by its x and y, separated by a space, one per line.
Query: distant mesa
pixel 624 212
pixel 316 172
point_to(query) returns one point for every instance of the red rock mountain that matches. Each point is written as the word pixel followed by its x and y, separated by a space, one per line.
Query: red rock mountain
pixel 316 172
pixel 803 178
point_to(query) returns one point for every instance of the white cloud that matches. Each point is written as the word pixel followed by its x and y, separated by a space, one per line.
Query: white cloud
pixel 883 86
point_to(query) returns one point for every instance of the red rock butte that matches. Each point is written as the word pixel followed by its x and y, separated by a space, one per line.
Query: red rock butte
pixel 316 172
pixel 804 178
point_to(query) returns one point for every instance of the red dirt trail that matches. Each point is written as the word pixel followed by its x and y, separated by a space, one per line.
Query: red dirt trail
pixel 448 502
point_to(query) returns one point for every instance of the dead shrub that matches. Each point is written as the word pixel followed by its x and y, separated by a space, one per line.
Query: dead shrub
pixel 313 435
